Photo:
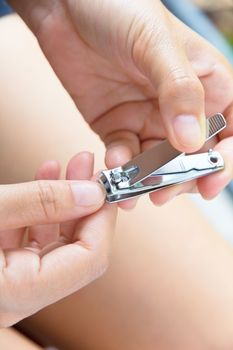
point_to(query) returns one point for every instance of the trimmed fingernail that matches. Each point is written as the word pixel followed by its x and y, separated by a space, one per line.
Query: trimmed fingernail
pixel 188 131
pixel 87 193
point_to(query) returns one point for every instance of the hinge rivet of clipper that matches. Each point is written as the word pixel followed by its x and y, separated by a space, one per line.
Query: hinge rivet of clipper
pixel 213 158
pixel 115 177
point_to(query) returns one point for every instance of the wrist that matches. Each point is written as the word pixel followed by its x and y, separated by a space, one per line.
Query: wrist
pixel 33 12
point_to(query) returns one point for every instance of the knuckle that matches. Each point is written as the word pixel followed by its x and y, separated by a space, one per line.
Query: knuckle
pixel 145 40
pixel 101 260
pixel 47 200
pixel 180 83
pixel 103 264
pixel 103 252
pixel 100 267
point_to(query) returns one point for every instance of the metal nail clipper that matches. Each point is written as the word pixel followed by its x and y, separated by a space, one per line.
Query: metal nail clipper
pixel 162 166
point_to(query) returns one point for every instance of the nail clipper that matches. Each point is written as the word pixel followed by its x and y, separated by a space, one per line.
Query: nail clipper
pixel 162 166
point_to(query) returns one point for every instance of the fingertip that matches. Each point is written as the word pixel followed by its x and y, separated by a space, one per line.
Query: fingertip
pixel 49 170
pixel 117 156
pixel 189 133
pixel 88 194
pixel 165 195
pixel 181 100
pixel 80 167
pixel 128 204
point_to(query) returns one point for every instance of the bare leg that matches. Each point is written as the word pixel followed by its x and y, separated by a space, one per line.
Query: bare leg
pixel 170 283
pixel 38 118
pixel 169 286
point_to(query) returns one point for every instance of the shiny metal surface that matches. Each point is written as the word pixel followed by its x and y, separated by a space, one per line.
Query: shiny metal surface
pixel 162 166
pixel 157 156
pixel 214 125
pixel 152 159
pixel 182 169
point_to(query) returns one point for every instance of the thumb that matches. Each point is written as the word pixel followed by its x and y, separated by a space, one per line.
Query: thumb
pixel 42 202
pixel 180 93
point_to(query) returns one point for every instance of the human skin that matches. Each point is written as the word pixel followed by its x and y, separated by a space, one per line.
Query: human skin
pixel 169 285
pixel 62 252
pixel 11 339
pixel 137 74
pixel 27 204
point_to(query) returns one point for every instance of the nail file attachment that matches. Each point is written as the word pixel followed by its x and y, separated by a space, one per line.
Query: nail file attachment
pixel 162 166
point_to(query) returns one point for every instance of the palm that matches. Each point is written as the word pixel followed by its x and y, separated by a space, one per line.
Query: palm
pixel 115 97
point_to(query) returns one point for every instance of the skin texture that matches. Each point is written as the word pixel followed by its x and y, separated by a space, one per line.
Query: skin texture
pixel 169 285
pixel 73 250
pixel 132 68
pixel 44 203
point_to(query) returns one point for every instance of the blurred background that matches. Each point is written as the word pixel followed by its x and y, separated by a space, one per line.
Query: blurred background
pixel 221 13
pixel 211 19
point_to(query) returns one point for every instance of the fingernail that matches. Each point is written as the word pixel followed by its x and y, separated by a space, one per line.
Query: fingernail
pixel 87 193
pixel 188 131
